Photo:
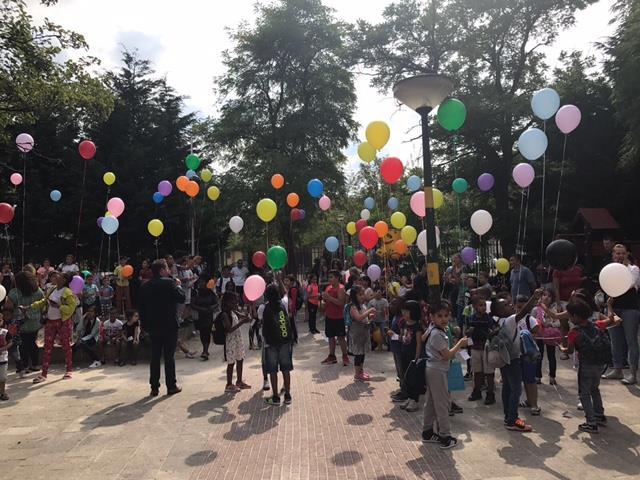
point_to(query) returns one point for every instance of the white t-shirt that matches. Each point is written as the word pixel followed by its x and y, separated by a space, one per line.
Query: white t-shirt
pixel 53 313
pixel 239 275
pixel 65 268
pixel 511 327
pixel 112 329
pixel 635 275
pixel 186 278
pixel 4 354
pixel 222 283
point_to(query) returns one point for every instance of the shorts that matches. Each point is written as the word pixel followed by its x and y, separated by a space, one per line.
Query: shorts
pixel 276 357
pixel 3 372
pixel 334 328
pixel 480 363
pixel 528 372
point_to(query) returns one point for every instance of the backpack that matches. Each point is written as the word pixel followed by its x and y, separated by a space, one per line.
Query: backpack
pixel 499 349
pixel 219 335
pixel 528 347
pixel 346 314
pixel 594 349
pixel 299 299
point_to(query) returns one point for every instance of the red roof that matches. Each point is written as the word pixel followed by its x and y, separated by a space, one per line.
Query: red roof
pixel 598 218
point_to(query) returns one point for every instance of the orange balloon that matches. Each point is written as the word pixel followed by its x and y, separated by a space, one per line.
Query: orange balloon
pixel 192 189
pixel 182 182
pixel 382 228
pixel 127 271
pixel 401 247
pixel 277 181
pixel 211 284
pixel 293 200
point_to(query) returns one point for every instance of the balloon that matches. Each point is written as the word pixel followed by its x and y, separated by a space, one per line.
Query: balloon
pixel 16 179
pixel 87 149
pixel 532 143
pixel 315 188
pixel 293 199
pixel 485 182
pixel 373 272
pixel 165 188
pixel 109 178
pixel 192 189
pixel 181 182
pixel 76 284
pixel 366 152
pixel 545 103
pixel 115 205
pixel 348 251
pixel 266 210
pixel 369 203
pixel 422 242
pixel 295 214
pixel 615 279
pixel 254 287
pixel 3 293
pixel 192 161
pixel 259 259
pixel 99 221
pixel 502 265
pixel 332 244
pixel 157 197
pixel 365 214
pixel 408 234
pixel 155 227
pixel 481 221
pixel 324 203
pixel 351 228
pixel 25 143
pixel 561 254
pixel 414 183
pixel 398 220
pixel 377 134
pixel 451 114
pixel 460 185
pixel 277 181
pixel 393 203
pixel 381 228
pixel 360 224
pixel 523 174
pixel 401 247
pixel 568 118
pixel 127 271
pixel 277 257
pixel 191 174
pixel 211 284
pixel 6 213
pixel 85 274
pixel 417 204
pixel 213 193
pixel 206 175
pixel 110 225
pixel 302 214
pixel 368 237
pixel 391 170
pixel 55 195
pixel 438 198
pixel 468 255
pixel 359 258
pixel 235 224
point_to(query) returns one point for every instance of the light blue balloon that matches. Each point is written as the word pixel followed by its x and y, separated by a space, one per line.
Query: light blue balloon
pixel 532 143
pixel 393 203
pixel 190 174
pixel 55 195
pixel 369 203
pixel 315 188
pixel 414 183
pixel 331 244
pixel 110 225
pixel 545 103
pixel 158 197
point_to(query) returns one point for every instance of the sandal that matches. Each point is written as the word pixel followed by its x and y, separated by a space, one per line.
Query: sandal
pixel 242 385
pixel 536 411
pixel 524 404
pixel 231 389
pixel 67 376
pixel 4 397
pixel 520 426
pixel 39 379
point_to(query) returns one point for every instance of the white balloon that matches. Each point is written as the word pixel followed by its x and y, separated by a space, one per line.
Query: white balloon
pixel 235 224
pixel 365 214
pixel 545 103
pixel 3 293
pixel 481 221
pixel 615 279
pixel 422 242
pixel 532 143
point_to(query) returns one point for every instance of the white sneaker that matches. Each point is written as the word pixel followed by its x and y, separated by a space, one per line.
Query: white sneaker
pixel 95 364
pixel 22 373
pixel 266 386
pixel 412 406
pixel 580 407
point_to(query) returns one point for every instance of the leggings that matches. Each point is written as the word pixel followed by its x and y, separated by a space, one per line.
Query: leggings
pixel 204 327
pixel 313 312
pixel 551 354
pixel 52 329
pixel 358 360
pixel 29 348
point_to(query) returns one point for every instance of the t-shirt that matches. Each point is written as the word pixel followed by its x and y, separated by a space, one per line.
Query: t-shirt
pixel 437 341
pixel 568 281
pixel 313 294
pixel 239 275
pixel 106 294
pixel 222 283
pixel 395 345
pixel 187 279
pixel 276 328
pixel 89 294
pixel 574 336
pixel 408 337
pixel 112 329
pixel 5 338
pixel 121 281
pixel 66 268
pixel 53 313
pixel 521 279
pixel 331 310
pixel 510 328
pixel 130 329
pixel 380 306
pixel 481 325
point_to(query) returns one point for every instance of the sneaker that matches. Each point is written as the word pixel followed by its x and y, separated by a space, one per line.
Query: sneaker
pixel 614 374
pixel 366 376
pixel 579 406
pixel 274 400
pixel 629 380
pixel 586 427
pixel 412 406
pixel 330 360
pixel 468 376
pixel 175 390
pixel 405 404
pixel 190 355
pixel 455 408
pixel 490 399
pixel 95 364
pixel 396 392
pixel 265 386
pixel 601 420
pixel 345 361
pixel 552 381
pixel 287 398
pixel 475 395
pixel 401 398
pixel 520 426
pixel 428 436
pixel 22 373
pixel 358 377
pixel 448 442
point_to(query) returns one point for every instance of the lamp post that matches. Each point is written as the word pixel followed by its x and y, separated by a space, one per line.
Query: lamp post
pixel 422 93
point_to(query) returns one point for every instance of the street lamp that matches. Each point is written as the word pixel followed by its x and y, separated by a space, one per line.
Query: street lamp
pixel 422 93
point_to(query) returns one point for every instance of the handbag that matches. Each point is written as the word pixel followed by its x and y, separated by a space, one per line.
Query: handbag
pixel 455 377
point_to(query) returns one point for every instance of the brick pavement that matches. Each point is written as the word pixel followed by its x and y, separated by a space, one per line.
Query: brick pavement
pixel 102 425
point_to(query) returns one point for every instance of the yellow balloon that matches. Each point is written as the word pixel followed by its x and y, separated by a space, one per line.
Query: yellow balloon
pixel 206 175
pixel 109 178
pixel 398 220
pixel 366 152
pixel 438 198
pixel 502 265
pixel 351 228
pixel 408 234
pixel 155 227
pixel 108 214
pixel 378 134
pixel 213 193
pixel 266 209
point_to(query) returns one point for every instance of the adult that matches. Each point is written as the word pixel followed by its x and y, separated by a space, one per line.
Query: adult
pixel 123 294
pixel 608 243
pixel 199 266
pixel 565 282
pixel 333 300
pixel 157 304
pixel 69 265
pixel 224 281
pixel 145 272
pixel 522 279
pixel 239 273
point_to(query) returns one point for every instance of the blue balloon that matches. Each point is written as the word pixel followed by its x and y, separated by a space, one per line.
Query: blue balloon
pixel 315 188
pixel 158 197
pixel 414 183
pixel 190 174
pixel 532 143
pixel 110 225
pixel 393 203
pixel 331 244
pixel 55 195
pixel 545 103
pixel 369 203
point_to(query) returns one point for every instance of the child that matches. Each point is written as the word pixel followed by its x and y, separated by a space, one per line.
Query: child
pixel 479 325
pixel 131 336
pixel 112 336
pixel 411 337
pixel 360 327
pixel 528 368
pixel 90 293
pixel 255 339
pixel 88 334
pixel 547 326
pixel 438 401
pixel 5 344
pixel 381 306
pixel 233 347
pixel 313 300
pixel 106 297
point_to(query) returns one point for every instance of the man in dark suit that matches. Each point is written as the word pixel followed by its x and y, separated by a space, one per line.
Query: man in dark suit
pixel 157 305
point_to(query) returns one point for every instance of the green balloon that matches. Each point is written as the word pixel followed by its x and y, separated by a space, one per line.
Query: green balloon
pixel 192 161
pixel 451 114
pixel 276 257
pixel 86 273
pixel 460 185
pixel 348 251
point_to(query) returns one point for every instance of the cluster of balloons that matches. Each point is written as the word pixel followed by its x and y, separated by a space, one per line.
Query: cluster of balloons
pixel 377 134
pixel 545 103
pixel 297 214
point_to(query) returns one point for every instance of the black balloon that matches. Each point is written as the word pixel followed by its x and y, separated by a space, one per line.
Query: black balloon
pixel 561 254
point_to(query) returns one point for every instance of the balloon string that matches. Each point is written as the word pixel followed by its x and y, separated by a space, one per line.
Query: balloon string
pixel 478 258
pixel 6 233
pixel 555 219
pixel 157 251
pixel 267 229
pixel 24 200
pixel 520 221
pixel 524 236
pixel 108 255
pixel 544 181
pixel 84 179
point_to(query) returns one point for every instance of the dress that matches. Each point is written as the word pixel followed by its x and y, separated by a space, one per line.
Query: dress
pixel 234 347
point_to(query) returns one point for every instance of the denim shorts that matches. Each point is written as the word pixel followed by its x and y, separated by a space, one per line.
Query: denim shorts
pixel 277 357
pixel 529 373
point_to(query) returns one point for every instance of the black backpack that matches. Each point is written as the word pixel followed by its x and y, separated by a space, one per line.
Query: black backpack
pixel 595 346
pixel 219 335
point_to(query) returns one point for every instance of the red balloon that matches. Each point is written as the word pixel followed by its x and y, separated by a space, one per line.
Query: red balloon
pixel 360 224
pixel 259 259
pixel 296 214
pixel 6 213
pixel 359 258
pixel 391 170
pixel 368 237
pixel 87 149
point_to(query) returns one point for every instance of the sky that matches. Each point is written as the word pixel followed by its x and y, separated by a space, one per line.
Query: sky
pixel 185 41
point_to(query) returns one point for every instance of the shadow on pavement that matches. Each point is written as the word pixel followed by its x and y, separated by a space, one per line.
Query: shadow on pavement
pixel 346 458
pixel 360 419
pixel 119 414
pixel 205 407
pixel 201 458
pixel 615 449
pixel 85 393
pixel 262 418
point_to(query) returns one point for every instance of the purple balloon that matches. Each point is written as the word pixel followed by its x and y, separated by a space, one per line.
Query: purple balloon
pixel 165 188
pixel 468 255
pixel 77 284
pixel 485 182
pixel 302 214
pixel 524 174
pixel 99 222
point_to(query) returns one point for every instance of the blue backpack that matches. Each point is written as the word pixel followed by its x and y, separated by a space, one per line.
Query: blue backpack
pixel 346 314
pixel 528 347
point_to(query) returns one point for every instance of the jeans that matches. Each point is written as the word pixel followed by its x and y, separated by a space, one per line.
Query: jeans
pixel 89 347
pixel 511 390
pixel 625 335
pixel 163 345
pixel 551 355
pixel 313 312
pixel 29 348
pixel 589 391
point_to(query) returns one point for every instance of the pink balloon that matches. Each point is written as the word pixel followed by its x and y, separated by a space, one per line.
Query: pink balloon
pixel 24 142
pixel 254 287
pixel 523 174
pixel 324 203
pixel 115 206
pixel 417 204
pixel 568 118
pixel 16 179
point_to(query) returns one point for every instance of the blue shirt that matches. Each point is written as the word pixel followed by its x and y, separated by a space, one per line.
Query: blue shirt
pixel 521 279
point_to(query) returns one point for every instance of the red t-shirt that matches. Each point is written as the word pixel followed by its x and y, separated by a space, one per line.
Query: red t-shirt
pixel 312 294
pixel 568 281
pixel 573 338
pixel 332 311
